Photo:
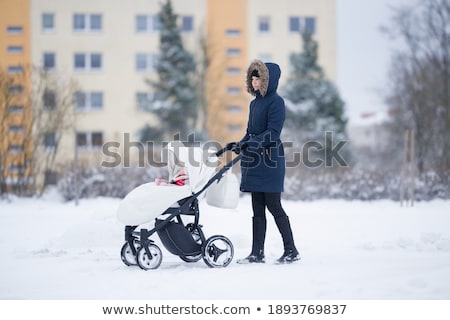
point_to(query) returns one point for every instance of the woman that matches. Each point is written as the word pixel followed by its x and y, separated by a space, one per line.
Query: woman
pixel 263 162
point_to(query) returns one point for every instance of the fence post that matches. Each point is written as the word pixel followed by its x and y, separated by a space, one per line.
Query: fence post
pixel 408 170
pixel 404 166
pixel 75 160
pixel 412 169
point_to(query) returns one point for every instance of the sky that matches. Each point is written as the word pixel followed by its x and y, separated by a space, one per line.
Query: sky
pixel 363 55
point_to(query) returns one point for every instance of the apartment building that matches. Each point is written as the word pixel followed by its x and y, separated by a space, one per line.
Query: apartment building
pixel 240 31
pixel 15 108
pixel 110 47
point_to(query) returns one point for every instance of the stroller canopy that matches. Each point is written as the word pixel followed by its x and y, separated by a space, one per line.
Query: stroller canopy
pixel 147 201
pixel 197 165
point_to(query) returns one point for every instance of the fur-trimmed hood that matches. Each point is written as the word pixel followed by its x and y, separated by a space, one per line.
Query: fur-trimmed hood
pixel 269 74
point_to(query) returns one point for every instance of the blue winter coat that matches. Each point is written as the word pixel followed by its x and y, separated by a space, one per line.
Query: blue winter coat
pixel 263 162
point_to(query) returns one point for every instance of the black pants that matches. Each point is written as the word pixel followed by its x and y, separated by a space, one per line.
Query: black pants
pixel 271 201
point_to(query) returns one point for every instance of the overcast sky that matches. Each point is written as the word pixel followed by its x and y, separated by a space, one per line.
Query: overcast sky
pixel 363 54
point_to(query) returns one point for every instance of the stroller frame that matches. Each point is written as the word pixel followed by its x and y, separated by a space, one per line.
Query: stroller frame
pixel 186 241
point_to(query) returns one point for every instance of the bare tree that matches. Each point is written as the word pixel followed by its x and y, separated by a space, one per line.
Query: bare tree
pixel 53 117
pixel 419 93
pixel 33 119
pixel 13 115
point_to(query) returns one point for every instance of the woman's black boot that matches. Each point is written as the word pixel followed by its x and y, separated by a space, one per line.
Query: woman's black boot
pixel 259 236
pixel 253 258
pixel 290 252
pixel 289 256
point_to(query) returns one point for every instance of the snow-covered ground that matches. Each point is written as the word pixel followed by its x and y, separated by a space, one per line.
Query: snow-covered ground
pixel 350 250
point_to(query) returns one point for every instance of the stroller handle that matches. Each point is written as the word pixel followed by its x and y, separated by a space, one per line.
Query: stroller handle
pixel 229 146
pixel 221 151
pixel 220 173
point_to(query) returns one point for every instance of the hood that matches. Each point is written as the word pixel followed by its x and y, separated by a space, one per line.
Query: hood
pixel 269 74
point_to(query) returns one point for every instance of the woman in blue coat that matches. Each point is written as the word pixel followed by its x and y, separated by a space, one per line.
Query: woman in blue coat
pixel 263 163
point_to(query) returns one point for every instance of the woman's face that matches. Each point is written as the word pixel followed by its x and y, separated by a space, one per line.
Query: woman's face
pixel 256 83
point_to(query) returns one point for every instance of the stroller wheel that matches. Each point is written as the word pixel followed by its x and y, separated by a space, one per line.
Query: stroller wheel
pixel 197 234
pixel 147 262
pixel 217 251
pixel 127 255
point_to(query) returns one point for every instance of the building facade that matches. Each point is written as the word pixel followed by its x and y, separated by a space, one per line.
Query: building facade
pixel 15 107
pixel 240 31
pixel 110 47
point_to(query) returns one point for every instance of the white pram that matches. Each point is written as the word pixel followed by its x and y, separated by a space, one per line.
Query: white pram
pixel 165 205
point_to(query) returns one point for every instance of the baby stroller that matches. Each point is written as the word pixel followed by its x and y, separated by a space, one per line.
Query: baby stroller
pixel 165 205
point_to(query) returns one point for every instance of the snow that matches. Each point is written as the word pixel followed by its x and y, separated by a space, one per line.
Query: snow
pixel 52 249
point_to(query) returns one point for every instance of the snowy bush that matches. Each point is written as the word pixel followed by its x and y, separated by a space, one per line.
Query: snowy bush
pixel 107 182
pixel 359 184
pixel 300 183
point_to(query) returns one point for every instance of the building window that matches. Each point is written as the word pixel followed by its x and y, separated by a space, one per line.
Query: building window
pixel 147 23
pixel 234 109
pixel 15 148
pixel 16 168
pixel 15 49
pixel 233 52
pixel 310 24
pixel 141 24
pixel 48 22
pixel 85 101
pixel 96 61
pixel 87 22
pixel 187 23
pixel 80 61
pixel 294 24
pixel 14 29
pixel 49 59
pixel 80 100
pixel 96 22
pixel 79 22
pixel 15 69
pixel 302 24
pixel 87 61
pixel 264 24
pixel 146 62
pixel 96 100
pixel 143 100
pixel 15 109
pixel 16 89
pixel 233 32
pixel 49 140
pixel 49 100
pixel 16 129
pixel 97 139
pixel 235 128
pixel 89 139
pixel 50 178
pixel 233 91
pixel 232 71
pixel 82 140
